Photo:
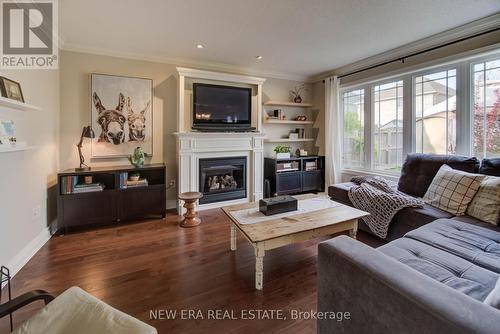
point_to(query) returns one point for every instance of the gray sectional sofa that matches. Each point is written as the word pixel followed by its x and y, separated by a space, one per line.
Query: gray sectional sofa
pixel 433 280
pixel 416 175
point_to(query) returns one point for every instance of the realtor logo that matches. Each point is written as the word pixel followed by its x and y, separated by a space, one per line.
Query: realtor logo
pixel 29 34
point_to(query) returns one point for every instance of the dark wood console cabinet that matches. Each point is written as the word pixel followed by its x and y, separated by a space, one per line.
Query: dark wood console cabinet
pixel 115 203
pixel 294 181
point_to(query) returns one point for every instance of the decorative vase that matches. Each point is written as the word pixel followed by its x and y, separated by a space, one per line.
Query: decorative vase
pixel 297 99
pixel 137 159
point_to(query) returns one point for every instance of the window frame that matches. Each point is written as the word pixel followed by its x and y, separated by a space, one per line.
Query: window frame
pixel 464 105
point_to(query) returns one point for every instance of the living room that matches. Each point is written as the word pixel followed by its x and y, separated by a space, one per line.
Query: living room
pixel 207 166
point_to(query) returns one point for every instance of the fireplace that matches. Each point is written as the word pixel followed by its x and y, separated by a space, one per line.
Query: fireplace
pixel 222 179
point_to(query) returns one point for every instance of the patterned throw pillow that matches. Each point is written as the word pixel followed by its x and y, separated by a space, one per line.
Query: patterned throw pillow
pixel 452 190
pixel 486 204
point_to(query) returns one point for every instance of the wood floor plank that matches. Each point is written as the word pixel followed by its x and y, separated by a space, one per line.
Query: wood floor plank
pixel 157 265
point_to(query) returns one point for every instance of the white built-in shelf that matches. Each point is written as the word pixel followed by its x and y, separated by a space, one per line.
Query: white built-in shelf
pixel 15 148
pixel 284 121
pixel 288 104
pixel 13 104
pixel 287 140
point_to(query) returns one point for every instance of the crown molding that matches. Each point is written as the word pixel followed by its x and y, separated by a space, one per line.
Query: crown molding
pixel 179 62
pixel 469 29
pixel 201 74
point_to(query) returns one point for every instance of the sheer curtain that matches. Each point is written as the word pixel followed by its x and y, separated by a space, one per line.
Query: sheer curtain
pixel 333 130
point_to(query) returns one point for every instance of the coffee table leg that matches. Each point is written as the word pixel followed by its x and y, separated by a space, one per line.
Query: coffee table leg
pixel 233 238
pixel 354 231
pixel 259 267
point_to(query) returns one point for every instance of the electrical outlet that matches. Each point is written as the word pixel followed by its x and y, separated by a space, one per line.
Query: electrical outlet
pixel 37 211
pixel 171 184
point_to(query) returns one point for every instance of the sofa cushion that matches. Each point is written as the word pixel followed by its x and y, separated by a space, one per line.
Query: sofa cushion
pixel 490 166
pixel 486 204
pixel 416 217
pixel 77 312
pixel 493 298
pixel 452 190
pixel 339 192
pixel 449 269
pixel 474 221
pixel 419 169
pixel 404 221
pixel 475 244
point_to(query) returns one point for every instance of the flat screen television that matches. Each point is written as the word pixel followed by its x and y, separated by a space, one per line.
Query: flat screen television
pixel 216 106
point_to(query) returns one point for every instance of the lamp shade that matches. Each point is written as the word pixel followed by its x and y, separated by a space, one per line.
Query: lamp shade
pixel 88 132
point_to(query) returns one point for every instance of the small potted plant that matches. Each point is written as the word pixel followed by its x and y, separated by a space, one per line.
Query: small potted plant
pixel 134 176
pixel 282 152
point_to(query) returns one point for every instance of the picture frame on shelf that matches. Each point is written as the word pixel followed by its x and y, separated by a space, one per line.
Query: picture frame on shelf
pixel 7 133
pixel 11 89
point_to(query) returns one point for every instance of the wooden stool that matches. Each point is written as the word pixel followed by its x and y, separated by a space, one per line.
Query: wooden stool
pixel 191 218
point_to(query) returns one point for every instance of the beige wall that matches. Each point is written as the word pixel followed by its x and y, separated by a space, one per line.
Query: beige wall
pixel 75 106
pixel 27 195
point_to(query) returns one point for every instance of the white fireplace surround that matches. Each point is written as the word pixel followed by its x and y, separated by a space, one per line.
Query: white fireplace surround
pixel 193 146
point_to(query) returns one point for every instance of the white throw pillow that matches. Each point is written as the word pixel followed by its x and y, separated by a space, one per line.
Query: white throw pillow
pixel 493 298
pixel 486 204
pixel 452 190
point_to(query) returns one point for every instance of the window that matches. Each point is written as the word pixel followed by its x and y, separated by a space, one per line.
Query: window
pixel 451 108
pixel 388 126
pixel 353 115
pixel 486 109
pixel 435 112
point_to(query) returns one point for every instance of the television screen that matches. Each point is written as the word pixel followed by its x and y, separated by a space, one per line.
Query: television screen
pixel 214 104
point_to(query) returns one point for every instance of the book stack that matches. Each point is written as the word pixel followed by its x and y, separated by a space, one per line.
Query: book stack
pixel 276 114
pixel 287 166
pixel 135 184
pixel 311 165
pixel 68 184
pixel 88 188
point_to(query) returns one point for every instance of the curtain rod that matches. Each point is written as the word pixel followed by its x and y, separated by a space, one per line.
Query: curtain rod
pixel 402 59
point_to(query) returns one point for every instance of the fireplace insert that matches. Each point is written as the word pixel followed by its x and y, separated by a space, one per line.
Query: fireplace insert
pixel 222 179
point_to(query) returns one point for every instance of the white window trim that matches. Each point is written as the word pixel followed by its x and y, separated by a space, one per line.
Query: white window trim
pixel 464 131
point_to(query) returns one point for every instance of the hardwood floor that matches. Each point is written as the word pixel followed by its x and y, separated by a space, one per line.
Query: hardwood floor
pixel 156 265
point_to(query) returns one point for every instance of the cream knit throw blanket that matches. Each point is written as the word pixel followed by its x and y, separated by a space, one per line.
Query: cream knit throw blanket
pixel 381 199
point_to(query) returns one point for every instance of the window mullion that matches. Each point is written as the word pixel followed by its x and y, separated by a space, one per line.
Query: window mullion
pixel 408 116
pixel 369 126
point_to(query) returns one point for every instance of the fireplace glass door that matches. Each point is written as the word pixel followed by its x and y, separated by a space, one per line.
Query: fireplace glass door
pixel 222 179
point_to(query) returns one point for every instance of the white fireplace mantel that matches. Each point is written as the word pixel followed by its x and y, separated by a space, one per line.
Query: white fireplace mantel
pixel 194 146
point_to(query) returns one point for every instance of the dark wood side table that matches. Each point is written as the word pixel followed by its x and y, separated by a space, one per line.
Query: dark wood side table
pixel 191 218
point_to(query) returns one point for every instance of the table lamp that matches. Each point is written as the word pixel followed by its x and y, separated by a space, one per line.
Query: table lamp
pixel 87 132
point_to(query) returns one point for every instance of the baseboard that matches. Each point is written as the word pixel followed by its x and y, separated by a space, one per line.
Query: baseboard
pixel 171 204
pixel 28 251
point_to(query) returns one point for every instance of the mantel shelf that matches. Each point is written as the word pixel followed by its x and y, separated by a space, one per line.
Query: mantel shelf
pixel 288 140
pixel 288 104
pixel 15 149
pixel 13 104
pixel 277 121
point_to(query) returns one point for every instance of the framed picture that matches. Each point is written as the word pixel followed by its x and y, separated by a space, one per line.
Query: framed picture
pixel 7 132
pixel 122 115
pixel 11 89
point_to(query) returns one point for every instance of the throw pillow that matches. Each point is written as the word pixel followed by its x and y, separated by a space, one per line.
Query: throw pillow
pixel 486 204
pixel 452 190
pixel 493 298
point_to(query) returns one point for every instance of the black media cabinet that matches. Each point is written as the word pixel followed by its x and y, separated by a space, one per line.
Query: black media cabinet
pixel 115 203
pixel 294 181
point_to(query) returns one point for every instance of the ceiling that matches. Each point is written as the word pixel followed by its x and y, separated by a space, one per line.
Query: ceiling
pixel 296 38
